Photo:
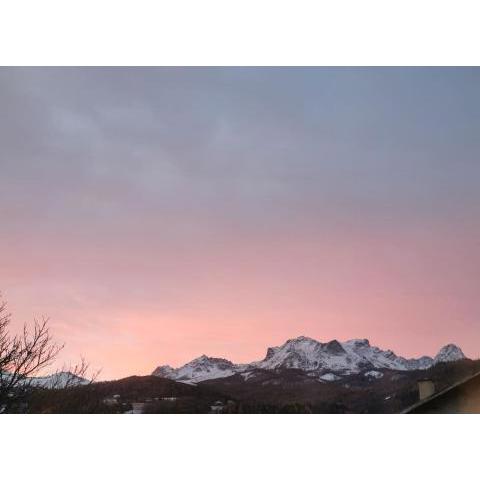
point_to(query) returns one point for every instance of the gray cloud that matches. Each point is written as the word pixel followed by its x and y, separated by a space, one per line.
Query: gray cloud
pixel 106 152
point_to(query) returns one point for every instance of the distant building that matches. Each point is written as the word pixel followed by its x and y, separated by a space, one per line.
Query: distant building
pixel 463 397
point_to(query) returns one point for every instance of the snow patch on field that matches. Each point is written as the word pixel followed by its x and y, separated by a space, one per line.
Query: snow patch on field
pixel 329 377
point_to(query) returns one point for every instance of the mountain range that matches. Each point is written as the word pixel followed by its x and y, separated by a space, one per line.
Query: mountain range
pixel 57 380
pixel 326 362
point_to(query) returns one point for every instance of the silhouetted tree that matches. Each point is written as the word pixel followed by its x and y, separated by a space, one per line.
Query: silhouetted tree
pixel 23 356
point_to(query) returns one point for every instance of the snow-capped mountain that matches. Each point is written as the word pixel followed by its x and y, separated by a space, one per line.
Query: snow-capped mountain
pixel 326 361
pixel 54 381
pixel 198 370
pixel 57 380
pixel 449 353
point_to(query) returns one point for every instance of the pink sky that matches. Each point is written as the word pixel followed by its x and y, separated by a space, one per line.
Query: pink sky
pixel 157 214
pixel 411 292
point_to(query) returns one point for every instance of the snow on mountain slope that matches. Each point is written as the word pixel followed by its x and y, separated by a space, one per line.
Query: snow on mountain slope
pixel 352 356
pixel 58 380
pixel 323 360
pixel 306 354
pixel 199 369
pixel 449 353
pixel 363 355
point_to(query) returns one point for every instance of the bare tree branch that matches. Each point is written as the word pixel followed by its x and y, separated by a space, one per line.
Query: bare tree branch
pixel 73 376
pixel 25 355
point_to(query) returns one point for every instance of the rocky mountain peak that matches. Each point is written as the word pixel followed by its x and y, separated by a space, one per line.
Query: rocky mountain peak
pixel 359 342
pixel 449 353
pixel 333 347
pixel 163 371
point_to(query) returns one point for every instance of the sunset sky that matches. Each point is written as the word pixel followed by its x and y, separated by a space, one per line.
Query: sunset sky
pixel 159 214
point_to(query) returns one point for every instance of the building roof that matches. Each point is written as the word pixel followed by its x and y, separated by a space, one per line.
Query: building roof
pixel 452 390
